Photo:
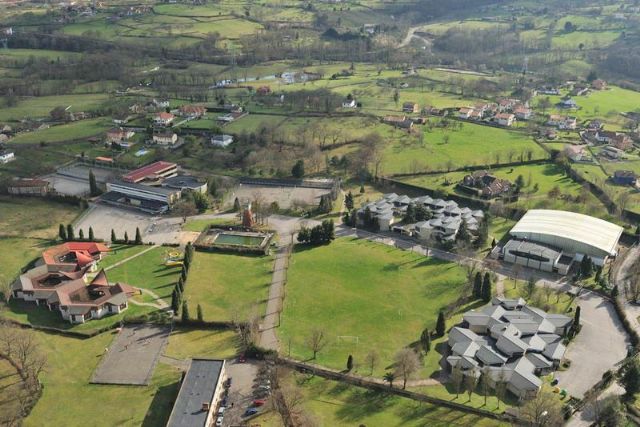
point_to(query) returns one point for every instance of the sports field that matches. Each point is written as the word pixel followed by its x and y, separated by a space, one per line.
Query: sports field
pixel 365 296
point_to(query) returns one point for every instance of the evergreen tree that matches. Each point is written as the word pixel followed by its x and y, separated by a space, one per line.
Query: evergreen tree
pixel 183 274
pixel 410 215
pixel 349 363
pixel 493 243
pixel 598 274
pixel 81 234
pixel 185 312
pixel 422 214
pixel 576 318
pixel 614 291
pixel 126 237
pixel 62 232
pixel 361 189
pixel 440 325
pixel 486 287
pixel 425 340
pixel 463 233
pixel 138 240
pixel 93 185
pixel 175 300
pixel 70 234
pixel 236 205
pixel 113 236
pixel 180 284
pixel 199 314
pixel 631 379
pixel 477 285
pixel 329 230
pixel 586 267
pixel 297 171
pixel 348 201
pixel 91 235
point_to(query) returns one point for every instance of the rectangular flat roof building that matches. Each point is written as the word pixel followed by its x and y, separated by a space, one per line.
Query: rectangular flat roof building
pixel 572 232
pixel 155 170
pixel 199 393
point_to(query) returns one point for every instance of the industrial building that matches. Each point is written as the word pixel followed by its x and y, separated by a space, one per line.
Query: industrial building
pixel 152 172
pixel 552 240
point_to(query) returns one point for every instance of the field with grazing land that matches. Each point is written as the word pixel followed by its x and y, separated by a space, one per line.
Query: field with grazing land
pixel 228 285
pixel 334 403
pixel 35 107
pixel 443 149
pixel 34 217
pixel 66 132
pixel 70 364
pixel 364 296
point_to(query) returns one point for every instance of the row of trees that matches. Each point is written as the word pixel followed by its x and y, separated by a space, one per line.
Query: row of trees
pixel 320 234
pixel 68 234
pixel 136 241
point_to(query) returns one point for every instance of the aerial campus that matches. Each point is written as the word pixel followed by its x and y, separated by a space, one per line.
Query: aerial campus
pixel 319 213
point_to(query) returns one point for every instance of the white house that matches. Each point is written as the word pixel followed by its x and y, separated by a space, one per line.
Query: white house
pixel 221 140
pixel 7 156
pixel 163 119
pixel 505 119
pixel 349 103
pixel 165 138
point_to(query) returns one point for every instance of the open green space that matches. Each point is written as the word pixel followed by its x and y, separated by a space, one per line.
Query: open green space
pixel 334 403
pixel 212 343
pixel 69 399
pixel 589 39
pixel 148 271
pixel 120 252
pixel 35 107
pixel 10 386
pixel 34 217
pixel 444 149
pixel 364 296
pixel 228 285
pixel 66 132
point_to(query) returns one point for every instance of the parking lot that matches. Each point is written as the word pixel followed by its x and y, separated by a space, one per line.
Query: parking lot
pixel 246 380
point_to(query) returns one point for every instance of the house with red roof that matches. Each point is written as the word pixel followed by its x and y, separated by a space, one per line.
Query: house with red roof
pixel 192 111
pixel 163 119
pixel 74 256
pixel 77 298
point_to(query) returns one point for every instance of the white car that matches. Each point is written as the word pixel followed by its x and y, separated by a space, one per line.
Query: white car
pixel 219 421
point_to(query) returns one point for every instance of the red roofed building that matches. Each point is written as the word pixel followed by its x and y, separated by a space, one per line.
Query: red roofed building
pixel 74 256
pixel 152 172
pixel 192 111
pixel 163 119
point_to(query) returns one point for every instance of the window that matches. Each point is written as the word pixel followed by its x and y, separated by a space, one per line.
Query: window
pixel 528 255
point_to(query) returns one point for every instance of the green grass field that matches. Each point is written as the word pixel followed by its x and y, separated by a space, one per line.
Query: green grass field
pixel 187 343
pixel 40 106
pixel 472 145
pixel 120 252
pixel 228 285
pixel 33 217
pixel 10 385
pixel 68 398
pixel 331 403
pixel 590 40
pixel 354 288
pixel 149 272
pixel 66 132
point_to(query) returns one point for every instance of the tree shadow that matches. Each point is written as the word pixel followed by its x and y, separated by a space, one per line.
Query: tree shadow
pixel 161 405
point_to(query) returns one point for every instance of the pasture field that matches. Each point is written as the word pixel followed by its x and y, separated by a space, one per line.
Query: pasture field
pixel 67 132
pixel 334 403
pixel 443 149
pixel 589 39
pixel 70 364
pixel 352 288
pixel 24 54
pixel 228 285
pixel 32 217
pixel 35 107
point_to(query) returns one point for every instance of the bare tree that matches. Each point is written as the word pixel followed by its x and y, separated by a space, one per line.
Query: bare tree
pixel 456 379
pixel 407 363
pixel 470 383
pixel 371 359
pixel 316 341
pixel 543 410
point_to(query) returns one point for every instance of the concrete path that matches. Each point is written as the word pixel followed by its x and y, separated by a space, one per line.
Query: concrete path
pixel 160 304
pixel 119 263
pixel 271 320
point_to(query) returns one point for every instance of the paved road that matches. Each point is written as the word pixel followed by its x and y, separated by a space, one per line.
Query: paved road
pixel 587 416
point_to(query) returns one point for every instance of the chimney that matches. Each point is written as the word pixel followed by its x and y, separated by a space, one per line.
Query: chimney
pixel 205 406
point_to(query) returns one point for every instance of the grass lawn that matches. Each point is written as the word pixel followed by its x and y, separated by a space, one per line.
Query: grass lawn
pixel 149 272
pixel 557 302
pixel 354 288
pixel 34 217
pixel 188 342
pixel 17 253
pixel 119 252
pixel 472 145
pixel 332 403
pixel 40 106
pixel 67 132
pixel 226 285
pixel 69 399
pixel 10 383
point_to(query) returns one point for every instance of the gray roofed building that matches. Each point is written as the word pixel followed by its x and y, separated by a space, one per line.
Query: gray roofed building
pixel 511 345
pixel 199 393
pixel 488 356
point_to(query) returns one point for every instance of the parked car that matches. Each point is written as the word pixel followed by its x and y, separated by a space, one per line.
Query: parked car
pixel 264 387
pixel 223 402
pixel 250 411
pixel 221 411
pixel 219 421
pixel 242 358
pixel 259 402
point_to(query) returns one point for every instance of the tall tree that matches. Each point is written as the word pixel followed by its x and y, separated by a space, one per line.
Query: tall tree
pixel 113 236
pixel 138 238
pixel 486 287
pixel 93 185
pixel 440 325
pixel 457 377
pixel 91 235
pixel 406 363
pixel 586 267
pixel 371 359
pixel 389 377
pixel 349 363
pixel 348 201
pixel 316 341
pixel 631 379
pixel 185 312
pixel 470 383
pixel 544 410
pixel 62 232
pixel 81 234
pixel 200 314
pixel 70 233
pixel 126 237
pixel 298 169
pixel 425 340
pixel 477 285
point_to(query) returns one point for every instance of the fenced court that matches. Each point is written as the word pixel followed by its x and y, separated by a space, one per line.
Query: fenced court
pixel 132 356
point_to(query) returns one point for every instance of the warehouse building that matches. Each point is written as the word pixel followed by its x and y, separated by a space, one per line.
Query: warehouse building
pixel 551 240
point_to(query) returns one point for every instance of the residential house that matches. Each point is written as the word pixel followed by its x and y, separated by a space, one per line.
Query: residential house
pixel 599 84
pixel 595 125
pixel 73 256
pixel 605 136
pixel 398 121
pixel 221 140
pixel 119 135
pixel 580 90
pixel 489 185
pixel 523 113
pixel 505 119
pixel 624 177
pixel 562 122
pixel 263 90
pixel 192 111
pixel 7 156
pixel 349 103
pixel 28 187
pixel 567 104
pixel 622 142
pixel 577 153
pixel 513 342
pixel 548 90
pixel 161 103
pixel 163 119
pixel 165 138
pixel 464 113
pixel 507 104
pixel 410 107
